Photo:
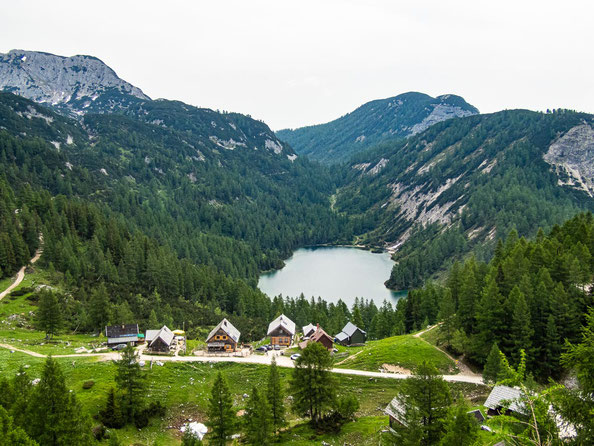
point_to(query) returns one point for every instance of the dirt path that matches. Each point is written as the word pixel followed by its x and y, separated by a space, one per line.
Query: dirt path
pixel 464 369
pixel 282 361
pixel 21 274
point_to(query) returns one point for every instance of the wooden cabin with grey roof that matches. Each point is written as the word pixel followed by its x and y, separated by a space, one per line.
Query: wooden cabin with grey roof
pixel 223 338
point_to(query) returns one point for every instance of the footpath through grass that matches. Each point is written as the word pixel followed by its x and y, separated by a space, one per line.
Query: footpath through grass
pixel 403 351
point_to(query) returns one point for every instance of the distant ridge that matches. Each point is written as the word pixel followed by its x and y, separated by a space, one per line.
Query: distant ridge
pixel 376 121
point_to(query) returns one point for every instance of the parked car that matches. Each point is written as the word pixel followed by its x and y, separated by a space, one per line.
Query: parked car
pixel 268 347
pixel 119 347
pixel 295 356
pixel 262 349
pixel 277 347
pixel 335 350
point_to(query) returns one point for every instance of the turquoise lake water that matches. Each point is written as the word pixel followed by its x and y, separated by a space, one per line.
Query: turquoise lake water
pixel 333 273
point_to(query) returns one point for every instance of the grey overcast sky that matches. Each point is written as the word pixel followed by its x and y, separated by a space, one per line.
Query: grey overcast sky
pixel 295 63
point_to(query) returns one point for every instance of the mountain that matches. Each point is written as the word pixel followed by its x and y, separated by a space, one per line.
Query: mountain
pixel 376 121
pixel 463 184
pixel 76 84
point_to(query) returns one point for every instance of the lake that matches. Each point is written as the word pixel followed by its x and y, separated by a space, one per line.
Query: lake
pixel 333 273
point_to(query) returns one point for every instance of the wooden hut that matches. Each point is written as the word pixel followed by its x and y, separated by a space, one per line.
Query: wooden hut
pixel 223 338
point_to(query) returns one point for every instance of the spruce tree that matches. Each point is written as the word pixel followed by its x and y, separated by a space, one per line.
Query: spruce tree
pixel 493 365
pixel 130 382
pixel 99 307
pixel 275 397
pixel 221 416
pixel 49 314
pixel 111 415
pixel 521 329
pixel 461 427
pixel 256 420
pixel 11 434
pixel 54 417
pixel 312 384
pixel 357 319
pixel 447 314
pixel 153 323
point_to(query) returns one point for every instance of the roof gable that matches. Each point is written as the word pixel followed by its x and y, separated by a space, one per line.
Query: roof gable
pixel 228 328
pixel 350 329
pixel 165 334
pixel 308 328
pixel 284 322
pixel 502 394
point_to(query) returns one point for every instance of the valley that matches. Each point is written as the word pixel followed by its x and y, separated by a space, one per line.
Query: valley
pixel 158 215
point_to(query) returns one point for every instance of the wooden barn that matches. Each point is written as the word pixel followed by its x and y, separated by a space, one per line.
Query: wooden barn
pixel 308 330
pixel 223 338
pixel 281 331
pixel 122 334
pixel 351 335
pixel 395 411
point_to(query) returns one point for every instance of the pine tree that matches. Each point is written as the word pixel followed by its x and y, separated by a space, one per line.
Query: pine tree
pixel 257 422
pixel 426 400
pixel 521 329
pixel 153 323
pixel 99 307
pixel 312 384
pixel 130 382
pixel 489 319
pixel 221 416
pixel 357 319
pixel 447 314
pixel 54 417
pixel 468 297
pixel 111 415
pixel 275 397
pixel 493 365
pixel 11 434
pixel 49 314
pixel 461 427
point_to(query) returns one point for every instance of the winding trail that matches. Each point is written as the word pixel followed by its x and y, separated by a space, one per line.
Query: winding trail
pixel 21 274
pixel 464 369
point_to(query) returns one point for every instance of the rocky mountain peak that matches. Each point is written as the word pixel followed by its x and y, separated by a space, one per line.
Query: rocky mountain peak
pixel 74 83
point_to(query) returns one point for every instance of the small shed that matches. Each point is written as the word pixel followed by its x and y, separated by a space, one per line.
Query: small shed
pixel 504 396
pixel 351 335
pixel 281 331
pixel 319 336
pixel 396 411
pixel 122 334
pixel 160 340
pixel 223 338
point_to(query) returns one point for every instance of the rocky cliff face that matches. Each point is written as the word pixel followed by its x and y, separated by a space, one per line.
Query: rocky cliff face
pixel 73 83
pixel 572 158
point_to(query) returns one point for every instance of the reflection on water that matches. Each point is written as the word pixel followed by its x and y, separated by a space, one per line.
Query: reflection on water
pixel 333 273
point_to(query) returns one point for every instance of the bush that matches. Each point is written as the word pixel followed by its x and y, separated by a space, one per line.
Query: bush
pixel 88 384
pixel 347 406
pixel 141 419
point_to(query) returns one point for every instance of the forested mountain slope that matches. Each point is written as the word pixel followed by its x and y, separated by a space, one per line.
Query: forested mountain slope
pixel 376 121
pixel 463 183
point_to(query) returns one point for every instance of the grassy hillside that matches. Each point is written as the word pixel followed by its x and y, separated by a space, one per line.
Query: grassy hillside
pixel 404 351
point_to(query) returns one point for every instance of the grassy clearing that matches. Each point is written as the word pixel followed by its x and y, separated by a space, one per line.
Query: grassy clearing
pixel 62 344
pixel 404 351
pixel 185 387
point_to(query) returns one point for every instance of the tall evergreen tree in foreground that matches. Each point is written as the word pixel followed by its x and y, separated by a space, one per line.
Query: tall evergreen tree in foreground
pixel 426 400
pixel 49 314
pixel 221 416
pixel 312 384
pixel 54 417
pixel 276 398
pixel 493 365
pixel 257 422
pixel 130 382
pixel 461 427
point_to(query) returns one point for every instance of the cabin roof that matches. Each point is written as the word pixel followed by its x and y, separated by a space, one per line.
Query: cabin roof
pixel 500 395
pixel 350 329
pixel 308 328
pixel 342 336
pixel 228 328
pixel 165 334
pixel 396 410
pixel 284 322
pixel 122 330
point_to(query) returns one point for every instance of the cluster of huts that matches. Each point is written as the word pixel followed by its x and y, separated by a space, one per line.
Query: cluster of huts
pixel 224 338
pixel 162 340
pixel 282 332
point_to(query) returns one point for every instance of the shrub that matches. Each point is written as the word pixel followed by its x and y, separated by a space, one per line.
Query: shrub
pixel 88 384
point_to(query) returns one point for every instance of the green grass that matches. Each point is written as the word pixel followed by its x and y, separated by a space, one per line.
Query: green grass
pixel 61 344
pixel 405 351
